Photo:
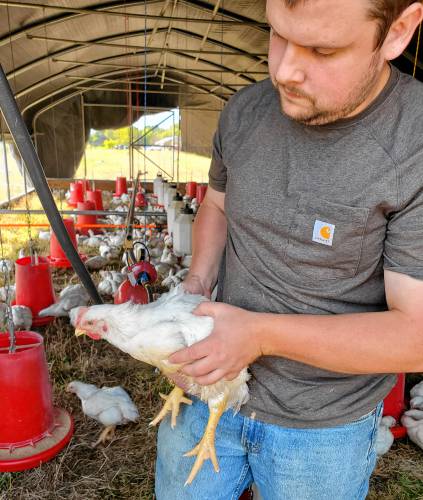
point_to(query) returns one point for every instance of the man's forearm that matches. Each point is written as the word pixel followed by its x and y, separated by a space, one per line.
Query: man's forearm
pixel 209 238
pixel 379 342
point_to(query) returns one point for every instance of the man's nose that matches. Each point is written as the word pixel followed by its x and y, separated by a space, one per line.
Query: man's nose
pixel 291 63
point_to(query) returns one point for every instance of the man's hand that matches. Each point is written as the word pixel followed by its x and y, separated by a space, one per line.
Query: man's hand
pixel 232 345
pixel 194 284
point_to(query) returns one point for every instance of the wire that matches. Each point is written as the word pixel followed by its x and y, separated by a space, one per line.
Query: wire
pixel 417 50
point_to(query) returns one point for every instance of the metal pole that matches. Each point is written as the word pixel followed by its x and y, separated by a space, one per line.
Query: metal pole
pixel 6 166
pixel 26 149
pixel 83 135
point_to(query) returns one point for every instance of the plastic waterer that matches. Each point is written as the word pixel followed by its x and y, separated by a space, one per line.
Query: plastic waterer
pixel 191 189
pixel 162 190
pixel 394 405
pixel 182 232
pixel 173 211
pixel 121 187
pixel 86 220
pixel 34 287
pixel 157 184
pixel 76 193
pixel 169 195
pixel 201 193
pixel 96 197
pixel 32 431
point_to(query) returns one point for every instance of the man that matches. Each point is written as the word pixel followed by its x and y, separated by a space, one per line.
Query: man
pixel 316 204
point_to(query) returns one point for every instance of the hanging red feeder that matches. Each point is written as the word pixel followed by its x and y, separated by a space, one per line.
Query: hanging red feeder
pixel 76 193
pixel 32 431
pixel 57 257
pixel 394 406
pixel 96 197
pixel 121 187
pixel 201 192
pixel 34 287
pixel 191 189
pixel 86 219
pixel 140 201
pixel 136 286
pixel 85 183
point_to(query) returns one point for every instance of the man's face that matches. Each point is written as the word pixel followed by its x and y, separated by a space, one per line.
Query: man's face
pixel 322 59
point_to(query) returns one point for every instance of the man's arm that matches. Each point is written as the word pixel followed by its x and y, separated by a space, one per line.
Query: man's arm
pixel 209 238
pixel 376 342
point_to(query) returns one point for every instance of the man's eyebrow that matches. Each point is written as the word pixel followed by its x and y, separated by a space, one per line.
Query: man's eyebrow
pixel 313 46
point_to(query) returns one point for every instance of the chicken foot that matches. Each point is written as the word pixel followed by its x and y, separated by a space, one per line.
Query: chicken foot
pixel 172 404
pixel 107 435
pixel 205 448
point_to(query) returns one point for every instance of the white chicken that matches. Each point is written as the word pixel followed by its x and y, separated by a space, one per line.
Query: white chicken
pixel 95 263
pixel 21 317
pixel 151 333
pixel 384 437
pixel 111 406
pixel 111 280
pixel 7 294
pixel 412 420
pixel 70 297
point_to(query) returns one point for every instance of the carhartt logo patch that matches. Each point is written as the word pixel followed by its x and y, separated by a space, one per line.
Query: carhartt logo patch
pixel 323 232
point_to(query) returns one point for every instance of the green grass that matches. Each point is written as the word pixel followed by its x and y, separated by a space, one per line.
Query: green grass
pixel 109 163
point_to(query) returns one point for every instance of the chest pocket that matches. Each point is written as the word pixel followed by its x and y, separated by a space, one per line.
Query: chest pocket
pixel 326 239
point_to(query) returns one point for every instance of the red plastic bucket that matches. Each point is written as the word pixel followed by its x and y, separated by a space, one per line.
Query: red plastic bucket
pixel 86 219
pixel 34 287
pixel 31 430
pixel 191 189
pixel 201 192
pixel 57 257
pixel 121 186
pixel 85 183
pixel 76 193
pixel 95 196
pixel 394 405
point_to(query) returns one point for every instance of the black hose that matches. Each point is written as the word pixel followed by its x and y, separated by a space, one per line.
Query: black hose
pixel 17 128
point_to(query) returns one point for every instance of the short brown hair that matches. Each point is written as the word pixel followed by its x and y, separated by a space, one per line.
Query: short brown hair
pixel 383 11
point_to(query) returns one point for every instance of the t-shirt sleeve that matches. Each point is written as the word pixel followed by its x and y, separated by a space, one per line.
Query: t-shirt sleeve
pixel 403 250
pixel 217 172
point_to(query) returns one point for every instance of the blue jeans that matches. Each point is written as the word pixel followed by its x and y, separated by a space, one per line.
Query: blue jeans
pixel 285 464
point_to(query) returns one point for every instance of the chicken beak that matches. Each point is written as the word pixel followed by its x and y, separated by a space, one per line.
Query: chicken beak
pixel 79 332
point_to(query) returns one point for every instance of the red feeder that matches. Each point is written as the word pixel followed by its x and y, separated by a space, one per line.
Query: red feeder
pixel 201 192
pixel 95 196
pixel 76 193
pixel 191 189
pixel 140 200
pixel 131 289
pixel 31 430
pixel 57 257
pixel 121 187
pixel 34 287
pixel 394 405
pixel 86 219
pixel 85 183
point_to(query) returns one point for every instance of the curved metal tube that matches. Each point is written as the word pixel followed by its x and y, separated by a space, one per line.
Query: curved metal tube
pixel 26 149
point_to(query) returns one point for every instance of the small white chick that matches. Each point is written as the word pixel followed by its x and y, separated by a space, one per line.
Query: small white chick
pixel 109 252
pixel 95 263
pixel 384 437
pixel 111 406
pixel 111 280
pixel 412 420
pixel 417 390
pixel 21 317
pixel 70 297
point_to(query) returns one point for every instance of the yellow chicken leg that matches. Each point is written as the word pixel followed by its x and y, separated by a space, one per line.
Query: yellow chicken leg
pixel 205 448
pixel 173 402
pixel 106 435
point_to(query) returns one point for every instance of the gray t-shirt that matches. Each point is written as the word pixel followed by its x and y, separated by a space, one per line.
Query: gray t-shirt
pixel 315 214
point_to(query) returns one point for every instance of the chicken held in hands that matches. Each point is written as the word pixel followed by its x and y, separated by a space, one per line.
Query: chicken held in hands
pixel 151 333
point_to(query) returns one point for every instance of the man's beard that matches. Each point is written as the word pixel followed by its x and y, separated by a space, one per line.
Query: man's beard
pixel 357 96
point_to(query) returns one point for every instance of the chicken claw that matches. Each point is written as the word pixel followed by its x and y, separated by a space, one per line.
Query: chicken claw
pixel 205 448
pixel 107 435
pixel 172 404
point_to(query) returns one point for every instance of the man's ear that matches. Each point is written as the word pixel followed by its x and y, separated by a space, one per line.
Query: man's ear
pixel 401 31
